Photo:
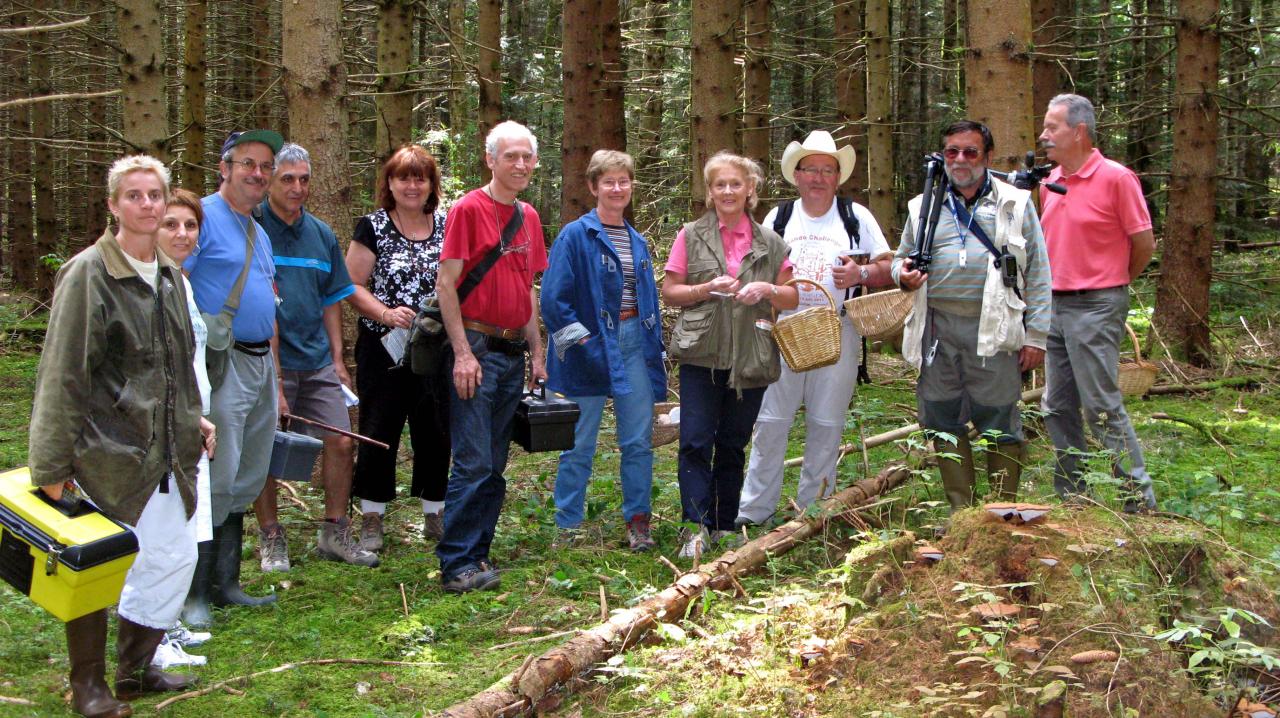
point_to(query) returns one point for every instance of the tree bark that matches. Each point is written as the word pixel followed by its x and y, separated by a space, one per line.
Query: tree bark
pixel 649 134
pixel 756 87
pixel 21 256
pixel 42 169
pixel 457 64
pixel 1048 23
pixel 263 69
pixel 194 68
pixel 851 91
pixel 880 121
pixel 613 75
pixel 395 47
pixel 581 69
pixel 1182 296
pixel 315 85
pixel 142 78
pixel 489 71
pixel 998 77
pixel 716 112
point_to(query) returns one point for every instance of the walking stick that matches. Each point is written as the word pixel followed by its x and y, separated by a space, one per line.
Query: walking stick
pixel 336 430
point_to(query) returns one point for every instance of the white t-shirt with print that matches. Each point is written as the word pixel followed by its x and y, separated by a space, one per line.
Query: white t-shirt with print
pixel 816 242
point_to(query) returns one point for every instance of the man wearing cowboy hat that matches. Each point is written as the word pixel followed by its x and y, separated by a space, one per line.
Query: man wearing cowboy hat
pixel 980 315
pixel 837 244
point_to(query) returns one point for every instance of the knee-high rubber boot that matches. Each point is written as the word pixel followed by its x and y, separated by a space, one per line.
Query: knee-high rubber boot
pixel 195 611
pixel 226 590
pixel 1004 469
pixel 957 476
pixel 135 647
pixel 87 649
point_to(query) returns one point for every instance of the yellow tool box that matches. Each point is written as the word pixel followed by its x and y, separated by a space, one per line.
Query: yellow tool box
pixel 67 556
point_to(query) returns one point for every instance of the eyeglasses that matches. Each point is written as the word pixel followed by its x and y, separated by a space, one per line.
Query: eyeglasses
pixel 970 153
pixel 824 172
pixel 248 164
pixel 615 184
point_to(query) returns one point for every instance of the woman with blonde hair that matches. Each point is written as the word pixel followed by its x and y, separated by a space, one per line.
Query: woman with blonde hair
pixel 727 274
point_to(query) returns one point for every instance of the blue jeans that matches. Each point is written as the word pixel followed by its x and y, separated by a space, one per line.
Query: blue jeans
pixel 634 414
pixel 480 431
pixel 715 425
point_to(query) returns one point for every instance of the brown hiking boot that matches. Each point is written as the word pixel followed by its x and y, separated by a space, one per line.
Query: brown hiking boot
pixel 336 543
pixel 639 536
pixel 433 526
pixel 371 531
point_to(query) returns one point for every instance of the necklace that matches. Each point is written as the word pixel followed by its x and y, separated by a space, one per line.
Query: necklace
pixel 404 228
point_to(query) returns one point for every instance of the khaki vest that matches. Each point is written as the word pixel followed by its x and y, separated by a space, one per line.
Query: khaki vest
pixel 723 334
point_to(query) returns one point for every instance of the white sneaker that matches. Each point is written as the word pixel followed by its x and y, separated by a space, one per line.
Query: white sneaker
pixel 180 635
pixel 693 544
pixel 171 654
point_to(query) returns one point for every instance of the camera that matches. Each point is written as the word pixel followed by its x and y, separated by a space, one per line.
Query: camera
pixel 1031 175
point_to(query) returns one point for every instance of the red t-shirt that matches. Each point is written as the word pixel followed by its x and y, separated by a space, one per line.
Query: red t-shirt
pixel 474 227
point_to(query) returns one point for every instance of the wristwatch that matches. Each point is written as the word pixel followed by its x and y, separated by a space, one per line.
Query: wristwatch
pixel 863 275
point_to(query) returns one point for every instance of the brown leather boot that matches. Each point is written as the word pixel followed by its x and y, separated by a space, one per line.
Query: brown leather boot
pixel 135 646
pixel 87 649
pixel 1004 470
pixel 957 476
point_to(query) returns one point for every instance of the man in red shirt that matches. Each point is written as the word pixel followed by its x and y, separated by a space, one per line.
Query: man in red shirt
pixel 489 334
pixel 1099 239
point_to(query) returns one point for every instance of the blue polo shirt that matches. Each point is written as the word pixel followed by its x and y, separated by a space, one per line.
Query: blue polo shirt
pixel 215 265
pixel 311 274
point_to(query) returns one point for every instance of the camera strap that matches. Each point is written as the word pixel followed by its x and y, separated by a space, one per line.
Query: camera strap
pixel 963 216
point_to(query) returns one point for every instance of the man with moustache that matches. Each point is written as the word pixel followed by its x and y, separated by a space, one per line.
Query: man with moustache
pixel 1099 239
pixel 243 374
pixel 312 281
pixel 969 333
pixel 489 334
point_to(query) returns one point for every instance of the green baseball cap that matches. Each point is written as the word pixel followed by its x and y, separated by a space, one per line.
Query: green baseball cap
pixel 270 138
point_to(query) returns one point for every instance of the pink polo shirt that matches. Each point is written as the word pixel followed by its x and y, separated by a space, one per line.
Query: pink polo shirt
pixel 736 241
pixel 1087 230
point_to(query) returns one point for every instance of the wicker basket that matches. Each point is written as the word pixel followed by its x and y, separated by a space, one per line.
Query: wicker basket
pixel 1136 377
pixel 810 338
pixel 879 312
pixel 664 433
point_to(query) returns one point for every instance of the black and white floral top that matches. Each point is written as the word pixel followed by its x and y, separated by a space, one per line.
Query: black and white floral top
pixel 404 272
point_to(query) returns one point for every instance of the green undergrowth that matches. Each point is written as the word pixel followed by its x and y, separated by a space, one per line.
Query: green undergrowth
pixel 426 650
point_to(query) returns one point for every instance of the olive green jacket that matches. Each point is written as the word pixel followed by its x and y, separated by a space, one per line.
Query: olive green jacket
pixel 720 333
pixel 116 403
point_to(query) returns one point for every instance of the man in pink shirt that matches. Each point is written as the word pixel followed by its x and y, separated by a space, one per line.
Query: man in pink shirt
pixel 1099 240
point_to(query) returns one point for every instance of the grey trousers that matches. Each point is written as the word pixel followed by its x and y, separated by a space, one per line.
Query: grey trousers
pixel 243 407
pixel 1081 374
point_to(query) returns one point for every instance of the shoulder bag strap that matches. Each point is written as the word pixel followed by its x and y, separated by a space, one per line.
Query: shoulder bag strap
pixel 233 299
pixel 477 272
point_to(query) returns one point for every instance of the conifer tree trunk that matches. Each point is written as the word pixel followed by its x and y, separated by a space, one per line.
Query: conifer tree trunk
pixel 489 71
pixel 756 87
pixel 879 121
pixel 580 63
pixel 716 111
pixel 42 169
pixel 851 90
pixel 144 125
pixel 315 83
pixel 654 65
pixel 1048 24
pixel 613 72
pixel 1182 295
pixel 395 48
pixel 457 65
pixel 998 77
pixel 194 69
pixel 21 255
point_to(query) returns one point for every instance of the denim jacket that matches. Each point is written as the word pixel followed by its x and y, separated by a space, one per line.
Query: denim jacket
pixel 580 301
pixel 116 404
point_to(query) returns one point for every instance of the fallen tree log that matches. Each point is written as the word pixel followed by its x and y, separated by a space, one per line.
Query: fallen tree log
pixel 1029 395
pixel 521 690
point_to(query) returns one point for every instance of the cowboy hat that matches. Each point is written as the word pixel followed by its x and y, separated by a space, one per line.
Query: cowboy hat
pixel 819 142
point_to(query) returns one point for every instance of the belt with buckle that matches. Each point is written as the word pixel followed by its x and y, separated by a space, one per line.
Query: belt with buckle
pixel 1078 292
pixel 253 349
pixel 510 335
pixel 626 314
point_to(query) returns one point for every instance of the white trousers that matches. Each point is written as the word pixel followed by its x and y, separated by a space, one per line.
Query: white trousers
pixel 825 394
pixel 157 583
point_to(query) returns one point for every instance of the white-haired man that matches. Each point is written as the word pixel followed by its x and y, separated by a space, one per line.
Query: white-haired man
pixel 492 235
pixel 837 244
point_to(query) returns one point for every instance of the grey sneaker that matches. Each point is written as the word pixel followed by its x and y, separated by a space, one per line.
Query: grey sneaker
pixel 472 579
pixel 639 537
pixel 433 526
pixel 336 543
pixel 693 544
pixel 273 551
pixel 371 531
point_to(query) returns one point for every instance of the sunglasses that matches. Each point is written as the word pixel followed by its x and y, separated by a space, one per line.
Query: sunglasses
pixel 970 153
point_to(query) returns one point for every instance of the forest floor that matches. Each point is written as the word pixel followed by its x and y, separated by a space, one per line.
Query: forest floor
pixel 848 624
